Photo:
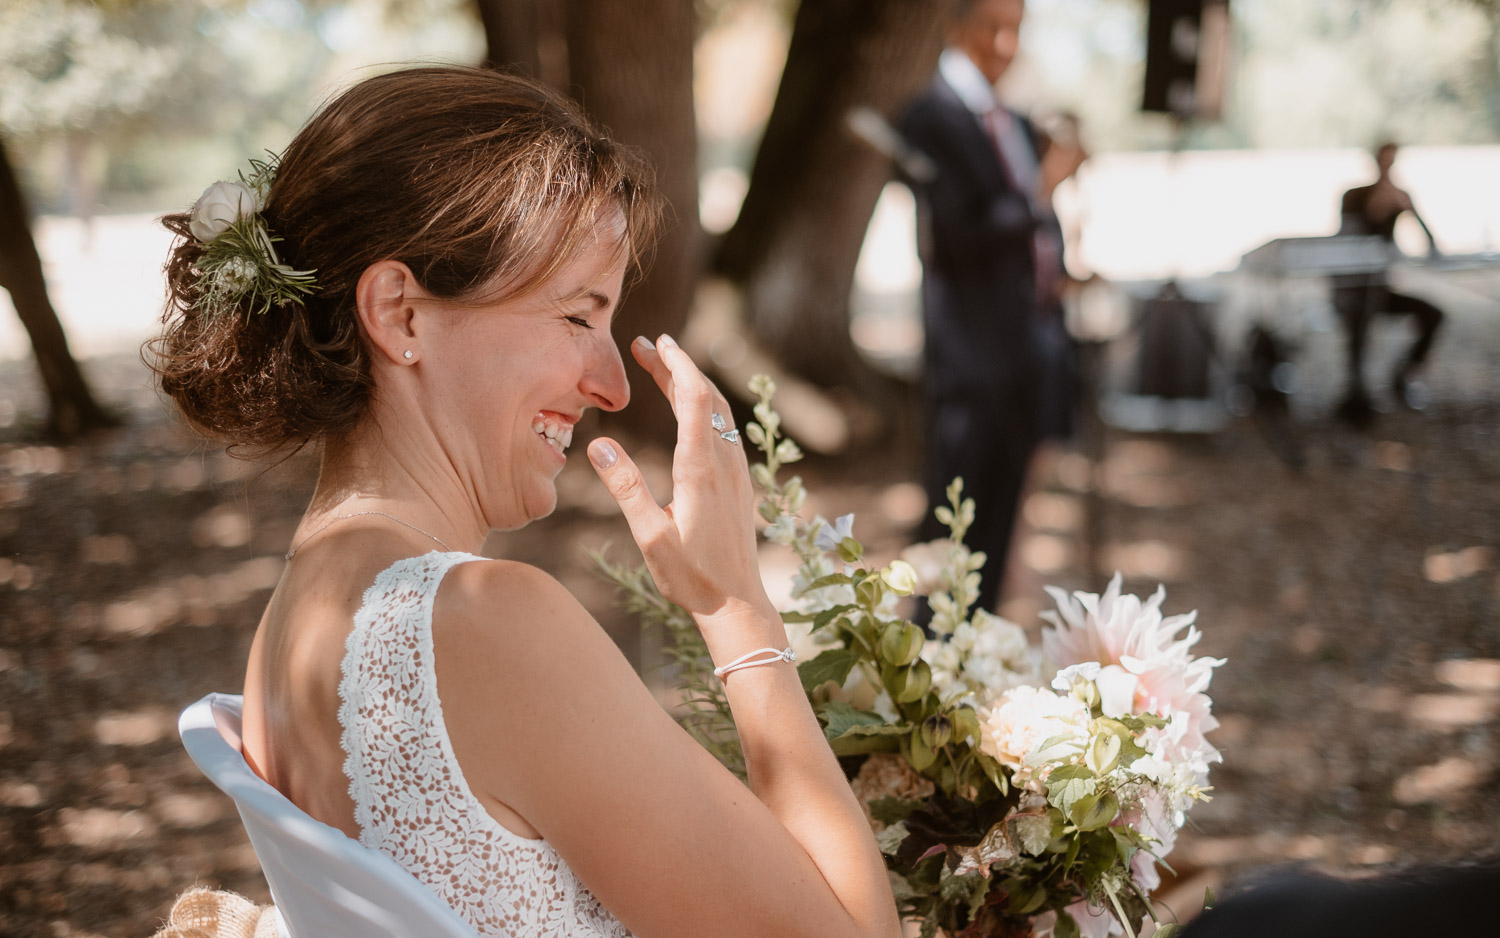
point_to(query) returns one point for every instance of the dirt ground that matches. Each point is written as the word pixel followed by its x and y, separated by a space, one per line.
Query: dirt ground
pixel 1356 603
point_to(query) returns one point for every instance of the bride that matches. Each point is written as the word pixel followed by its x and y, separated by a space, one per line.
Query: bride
pixel 425 286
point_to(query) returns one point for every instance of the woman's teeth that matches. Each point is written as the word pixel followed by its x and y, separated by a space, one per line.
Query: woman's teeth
pixel 559 434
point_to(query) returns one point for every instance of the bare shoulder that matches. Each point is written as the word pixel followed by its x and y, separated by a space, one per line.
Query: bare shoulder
pixel 511 606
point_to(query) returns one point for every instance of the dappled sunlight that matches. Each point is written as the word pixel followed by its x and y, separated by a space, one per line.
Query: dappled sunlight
pixel 1446 567
pixel 903 503
pixel 1445 781
pixel 1145 560
pixel 106 549
pixel 222 526
pixel 1393 456
pixel 1050 511
pixel 193 600
pixel 1453 711
pixel 103 828
pixel 1472 674
pixel 1046 553
pixel 135 728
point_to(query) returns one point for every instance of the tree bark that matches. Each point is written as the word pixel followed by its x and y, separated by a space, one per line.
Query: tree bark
pixel 631 67
pixel 525 37
pixel 813 187
pixel 71 406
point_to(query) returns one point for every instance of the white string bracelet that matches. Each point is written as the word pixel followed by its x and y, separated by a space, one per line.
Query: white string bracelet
pixel 752 659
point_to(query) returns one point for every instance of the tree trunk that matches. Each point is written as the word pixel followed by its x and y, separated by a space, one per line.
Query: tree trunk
pixel 72 409
pixel 631 66
pixel 525 37
pixel 813 187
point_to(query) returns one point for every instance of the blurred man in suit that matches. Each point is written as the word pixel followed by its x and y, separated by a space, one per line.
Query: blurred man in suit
pixel 990 255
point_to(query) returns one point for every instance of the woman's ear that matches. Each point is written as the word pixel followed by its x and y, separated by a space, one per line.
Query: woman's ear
pixel 385 297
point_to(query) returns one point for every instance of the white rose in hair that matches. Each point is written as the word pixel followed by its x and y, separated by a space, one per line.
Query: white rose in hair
pixel 220 205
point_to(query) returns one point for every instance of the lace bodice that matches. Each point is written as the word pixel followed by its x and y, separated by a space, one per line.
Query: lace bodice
pixel 410 798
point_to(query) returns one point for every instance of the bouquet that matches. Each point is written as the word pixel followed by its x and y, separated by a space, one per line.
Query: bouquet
pixel 1013 790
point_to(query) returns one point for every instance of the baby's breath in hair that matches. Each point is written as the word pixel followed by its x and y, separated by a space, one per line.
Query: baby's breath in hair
pixel 239 251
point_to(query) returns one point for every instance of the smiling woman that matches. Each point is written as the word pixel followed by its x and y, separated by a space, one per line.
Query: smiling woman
pixel 424 286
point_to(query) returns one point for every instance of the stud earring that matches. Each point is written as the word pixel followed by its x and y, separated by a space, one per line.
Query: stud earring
pixel 406 354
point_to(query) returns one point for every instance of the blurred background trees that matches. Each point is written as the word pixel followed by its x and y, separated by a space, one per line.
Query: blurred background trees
pixel 120 105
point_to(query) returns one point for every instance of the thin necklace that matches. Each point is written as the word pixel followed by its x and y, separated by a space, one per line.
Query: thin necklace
pixel 355 514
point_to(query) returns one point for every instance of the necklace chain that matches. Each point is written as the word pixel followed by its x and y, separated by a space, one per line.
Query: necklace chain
pixel 355 514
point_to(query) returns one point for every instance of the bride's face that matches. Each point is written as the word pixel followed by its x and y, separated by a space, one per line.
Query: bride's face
pixel 513 377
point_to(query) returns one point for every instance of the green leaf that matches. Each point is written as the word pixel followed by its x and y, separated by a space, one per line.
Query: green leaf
pixel 832 665
pixel 959 888
pixel 1065 927
pixel 900 888
pixel 922 755
pixel 839 717
pixel 977 897
pixel 832 579
pixel 994 771
pixel 1033 832
pixel 1091 814
pixel 966 723
pixel 863 740
pixel 1067 784
pixel 918 680
pixel 890 839
pixel 828 616
pixel 852 732
pixel 892 809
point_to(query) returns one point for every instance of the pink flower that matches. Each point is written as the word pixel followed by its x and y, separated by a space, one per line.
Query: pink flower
pixel 1116 629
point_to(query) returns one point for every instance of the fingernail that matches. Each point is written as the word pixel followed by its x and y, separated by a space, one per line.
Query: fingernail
pixel 642 341
pixel 668 341
pixel 603 454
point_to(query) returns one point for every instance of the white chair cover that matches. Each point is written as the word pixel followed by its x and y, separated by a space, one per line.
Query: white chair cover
pixel 324 884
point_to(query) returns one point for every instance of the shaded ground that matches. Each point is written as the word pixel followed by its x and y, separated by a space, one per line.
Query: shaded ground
pixel 1357 605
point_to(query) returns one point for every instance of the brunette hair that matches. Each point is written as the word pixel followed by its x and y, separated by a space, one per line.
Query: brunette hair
pixel 483 183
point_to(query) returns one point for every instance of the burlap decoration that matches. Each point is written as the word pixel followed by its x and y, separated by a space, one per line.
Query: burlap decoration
pixel 210 913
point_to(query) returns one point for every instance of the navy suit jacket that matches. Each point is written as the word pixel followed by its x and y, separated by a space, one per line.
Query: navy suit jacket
pixel 975 235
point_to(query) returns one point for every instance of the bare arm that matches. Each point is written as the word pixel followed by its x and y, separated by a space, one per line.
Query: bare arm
pixel 548 720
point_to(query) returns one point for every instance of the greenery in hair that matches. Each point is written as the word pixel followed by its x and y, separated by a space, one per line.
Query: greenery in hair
pixel 241 261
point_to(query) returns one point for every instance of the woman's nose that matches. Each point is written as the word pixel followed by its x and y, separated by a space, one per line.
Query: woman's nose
pixel 604 382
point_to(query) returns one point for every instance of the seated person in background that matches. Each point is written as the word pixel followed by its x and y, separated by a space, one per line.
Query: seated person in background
pixel 1373 210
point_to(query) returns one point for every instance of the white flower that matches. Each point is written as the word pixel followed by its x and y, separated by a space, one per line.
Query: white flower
pixel 1064 680
pixel 929 559
pixel 782 531
pixel 221 205
pixel 830 536
pixel 1027 717
pixel 900 577
pixel 237 274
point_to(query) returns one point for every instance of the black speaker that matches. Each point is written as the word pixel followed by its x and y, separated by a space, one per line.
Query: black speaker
pixel 1176 347
pixel 1186 46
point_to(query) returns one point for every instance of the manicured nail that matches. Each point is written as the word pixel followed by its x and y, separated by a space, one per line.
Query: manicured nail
pixel 643 342
pixel 603 454
pixel 667 341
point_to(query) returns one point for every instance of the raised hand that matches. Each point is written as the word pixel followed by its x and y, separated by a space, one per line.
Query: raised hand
pixel 700 548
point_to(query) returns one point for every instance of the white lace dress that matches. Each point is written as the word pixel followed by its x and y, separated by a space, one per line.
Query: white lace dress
pixel 410 798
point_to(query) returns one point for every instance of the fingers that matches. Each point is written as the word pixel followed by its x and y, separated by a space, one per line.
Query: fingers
pixel 693 397
pixel 645 353
pixel 649 524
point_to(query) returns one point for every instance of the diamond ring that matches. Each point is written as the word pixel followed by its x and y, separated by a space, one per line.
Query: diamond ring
pixel 718 423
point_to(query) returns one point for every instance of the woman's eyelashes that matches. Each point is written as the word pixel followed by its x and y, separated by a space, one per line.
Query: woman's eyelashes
pixel 579 321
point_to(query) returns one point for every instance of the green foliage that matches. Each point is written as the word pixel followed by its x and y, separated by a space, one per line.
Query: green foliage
pixel 704 712
pixel 978 855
